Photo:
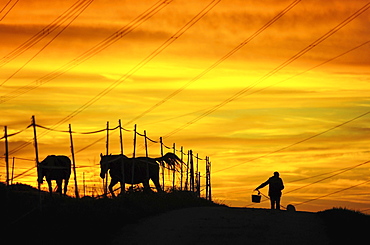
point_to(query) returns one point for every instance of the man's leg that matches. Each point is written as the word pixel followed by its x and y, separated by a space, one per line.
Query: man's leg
pixel 277 199
pixel 272 200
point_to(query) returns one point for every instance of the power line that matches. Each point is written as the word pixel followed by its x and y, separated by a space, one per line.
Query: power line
pixel 50 28
pixel 284 148
pixel 88 54
pixel 294 76
pixel 6 5
pixel 316 42
pixel 264 88
pixel 114 37
pixel 320 180
pixel 332 193
pixel 337 172
pixel 275 70
pixel 8 10
pixel 298 142
pixel 15 133
pixel 169 41
pixel 24 172
pixel 322 174
pixel 78 13
pixel 155 53
pixel 74 132
pixel 174 37
pixel 222 59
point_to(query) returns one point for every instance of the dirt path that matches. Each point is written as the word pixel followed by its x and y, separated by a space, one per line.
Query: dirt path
pixel 222 225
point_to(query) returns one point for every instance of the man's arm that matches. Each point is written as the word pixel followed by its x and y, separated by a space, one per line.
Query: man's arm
pixel 263 185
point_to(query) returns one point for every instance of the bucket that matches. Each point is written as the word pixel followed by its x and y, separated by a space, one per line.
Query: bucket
pixel 256 198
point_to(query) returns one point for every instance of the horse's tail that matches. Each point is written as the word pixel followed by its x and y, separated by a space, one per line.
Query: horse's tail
pixel 170 159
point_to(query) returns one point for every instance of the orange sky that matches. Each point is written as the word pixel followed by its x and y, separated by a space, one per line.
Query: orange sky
pixel 246 136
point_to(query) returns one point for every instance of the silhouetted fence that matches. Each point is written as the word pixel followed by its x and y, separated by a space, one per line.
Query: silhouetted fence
pixel 186 177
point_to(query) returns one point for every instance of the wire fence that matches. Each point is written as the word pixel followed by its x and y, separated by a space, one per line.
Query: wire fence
pixel 186 177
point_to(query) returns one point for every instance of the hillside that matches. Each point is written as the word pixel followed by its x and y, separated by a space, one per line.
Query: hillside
pixel 166 218
pixel 225 225
pixel 31 216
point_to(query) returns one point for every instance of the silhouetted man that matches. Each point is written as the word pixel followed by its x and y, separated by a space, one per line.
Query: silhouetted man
pixel 275 187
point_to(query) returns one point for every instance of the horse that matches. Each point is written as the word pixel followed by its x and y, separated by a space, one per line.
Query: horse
pixel 56 168
pixel 145 168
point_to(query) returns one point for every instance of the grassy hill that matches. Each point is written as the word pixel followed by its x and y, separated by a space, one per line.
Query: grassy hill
pixel 346 226
pixel 31 216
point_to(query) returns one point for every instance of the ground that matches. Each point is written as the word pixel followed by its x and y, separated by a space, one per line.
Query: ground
pixel 225 225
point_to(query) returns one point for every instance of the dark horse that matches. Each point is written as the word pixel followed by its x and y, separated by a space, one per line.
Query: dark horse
pixel 145 168
pixel 56 168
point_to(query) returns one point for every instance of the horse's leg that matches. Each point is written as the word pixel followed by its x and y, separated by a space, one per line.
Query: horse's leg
pixel 122 187
pixel 154 175
pixel 113 182
pixel 65 185
pixel 156 183
pixel 146 185
pixel 59 185
pixel 50 186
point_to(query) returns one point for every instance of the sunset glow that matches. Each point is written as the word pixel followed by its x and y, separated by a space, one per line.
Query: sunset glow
pixel 258 86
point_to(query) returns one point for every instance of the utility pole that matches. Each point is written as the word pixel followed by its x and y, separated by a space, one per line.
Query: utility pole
pixel 6 154
pixel 12 172
pixel 207 179
pixel 105 180
pixel 162 163
pixel 146 154
pixel 120 135
pixel 191 171
pixel 36 147
pixel 133 159
pixel 73 161
pixel 181 169
pixel 107 141
pixel 174 169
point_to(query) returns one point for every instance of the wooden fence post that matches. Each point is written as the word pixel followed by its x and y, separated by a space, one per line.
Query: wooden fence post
pixel 162 163
pixel 83 183
pixel 107 140
pixel 36 147
pixel 12 172
pixel 120 135
pixel 133 158
pixel 73 161
pixel 197 187
pixel 187 173
pixel 105 180
pixel 191 171
pixel 146 154
pixel 181 169
pixel 123 188
pixel 207 179
pixel 197 169
pixel 198 184
pixel 37 159
pixel 174 169
pixel 122 159
pixel 6 155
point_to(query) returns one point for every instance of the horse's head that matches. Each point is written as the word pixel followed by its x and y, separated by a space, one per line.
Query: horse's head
pixel 104 165
pixel 40 172
pixel 106 162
